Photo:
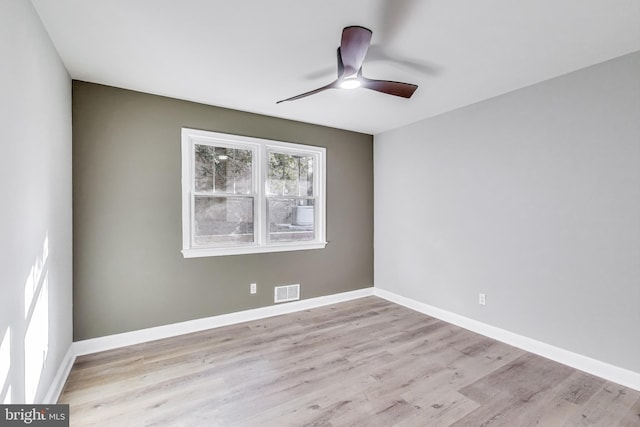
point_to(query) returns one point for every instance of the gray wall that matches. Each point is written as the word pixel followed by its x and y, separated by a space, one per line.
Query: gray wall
pixel 128 270
pixel 35 192
pixel 533 198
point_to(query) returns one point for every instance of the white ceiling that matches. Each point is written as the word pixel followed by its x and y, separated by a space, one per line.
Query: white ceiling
pixel 248 54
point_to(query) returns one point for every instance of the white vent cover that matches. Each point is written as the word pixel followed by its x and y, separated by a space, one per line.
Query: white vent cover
pixel 287 293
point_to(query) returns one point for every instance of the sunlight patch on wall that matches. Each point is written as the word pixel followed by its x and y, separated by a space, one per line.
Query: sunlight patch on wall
pixel 36 338
pixel 5 367
pixel 34 277
pixel 36 342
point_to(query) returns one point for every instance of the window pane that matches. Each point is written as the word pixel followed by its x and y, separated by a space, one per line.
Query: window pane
pixel 291 220
pixel 223 219
pixel 223 170
pixel 203 165
pixel 290 175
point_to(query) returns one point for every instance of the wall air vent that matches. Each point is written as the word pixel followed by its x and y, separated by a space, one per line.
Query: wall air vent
pixel 286 293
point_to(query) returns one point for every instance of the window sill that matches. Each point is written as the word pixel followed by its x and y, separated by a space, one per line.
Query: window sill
pixel 245 250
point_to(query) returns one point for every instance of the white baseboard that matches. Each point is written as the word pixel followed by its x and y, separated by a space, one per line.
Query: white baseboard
pixel 61 377
pixel 595 367
pixel 604 370
pixel 109 342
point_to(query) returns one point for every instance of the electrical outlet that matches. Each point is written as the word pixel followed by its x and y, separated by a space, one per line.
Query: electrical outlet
pixel 253 288
pixel 482 299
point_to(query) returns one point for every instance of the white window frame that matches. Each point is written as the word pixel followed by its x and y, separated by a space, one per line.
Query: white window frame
pixel 260 148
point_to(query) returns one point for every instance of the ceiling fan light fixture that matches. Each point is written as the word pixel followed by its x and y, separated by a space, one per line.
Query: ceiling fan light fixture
pixel 351 83
pixel 353 48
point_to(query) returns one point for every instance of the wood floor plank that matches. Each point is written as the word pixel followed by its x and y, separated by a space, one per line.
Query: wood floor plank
pixel 559 405
pixel 366 362
pixel 632 417
pixel 606 408
pixel 438 408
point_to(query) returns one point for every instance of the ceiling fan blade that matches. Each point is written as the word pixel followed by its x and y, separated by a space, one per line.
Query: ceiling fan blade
pixel 404 90
pixel 331 85
pixel 353 48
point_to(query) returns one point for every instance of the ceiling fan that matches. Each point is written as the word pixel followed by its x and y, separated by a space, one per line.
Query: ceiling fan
pixel 353 48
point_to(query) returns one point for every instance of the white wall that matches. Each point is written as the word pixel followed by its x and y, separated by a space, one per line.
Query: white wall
pixel 35 213
pixel 532 197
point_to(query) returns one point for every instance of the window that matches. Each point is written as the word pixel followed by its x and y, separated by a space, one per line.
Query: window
pixel 244 195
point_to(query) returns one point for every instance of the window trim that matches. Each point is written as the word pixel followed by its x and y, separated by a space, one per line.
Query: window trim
pixel 261 244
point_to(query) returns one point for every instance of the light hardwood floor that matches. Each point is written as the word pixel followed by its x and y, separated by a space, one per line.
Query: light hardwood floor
pixel 367 362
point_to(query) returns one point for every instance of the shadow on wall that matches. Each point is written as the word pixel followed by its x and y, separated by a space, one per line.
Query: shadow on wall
pixel 25 343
